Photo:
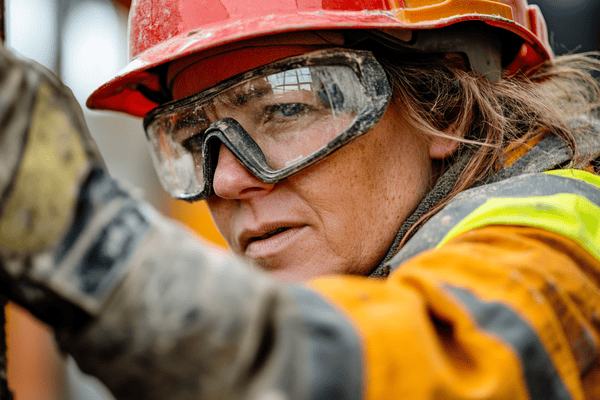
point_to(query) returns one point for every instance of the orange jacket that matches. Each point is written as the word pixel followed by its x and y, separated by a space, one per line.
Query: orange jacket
pixel 500 310
pixel 504 305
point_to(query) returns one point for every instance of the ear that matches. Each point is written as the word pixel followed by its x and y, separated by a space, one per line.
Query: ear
pixel 441 147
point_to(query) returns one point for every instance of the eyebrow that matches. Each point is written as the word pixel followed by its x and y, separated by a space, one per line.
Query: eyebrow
pixel 239 96
pixel 187 121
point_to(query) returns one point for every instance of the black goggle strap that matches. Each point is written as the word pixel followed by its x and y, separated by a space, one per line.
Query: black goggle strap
pixel 232 135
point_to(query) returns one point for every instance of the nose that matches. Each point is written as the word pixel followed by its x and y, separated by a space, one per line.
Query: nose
pixel 231 180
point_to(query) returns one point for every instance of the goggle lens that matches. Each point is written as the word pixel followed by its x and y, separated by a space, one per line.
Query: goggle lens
pixel 292 115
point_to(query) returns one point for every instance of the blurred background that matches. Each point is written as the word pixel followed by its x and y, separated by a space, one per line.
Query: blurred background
pixel 85 43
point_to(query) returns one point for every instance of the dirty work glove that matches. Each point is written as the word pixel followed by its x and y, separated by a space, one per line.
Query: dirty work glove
pixel 132 296
pixel 53 186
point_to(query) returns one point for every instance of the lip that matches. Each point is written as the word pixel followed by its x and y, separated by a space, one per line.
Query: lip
pixel 261 248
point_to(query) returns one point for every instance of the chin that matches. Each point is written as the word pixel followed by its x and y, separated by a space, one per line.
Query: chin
pixel 289 276
pixel 297 272
pixel 285 273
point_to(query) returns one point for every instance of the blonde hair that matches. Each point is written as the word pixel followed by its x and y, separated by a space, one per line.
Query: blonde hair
pixel 438 95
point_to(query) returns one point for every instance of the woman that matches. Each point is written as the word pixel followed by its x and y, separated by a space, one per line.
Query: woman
pixel 349 151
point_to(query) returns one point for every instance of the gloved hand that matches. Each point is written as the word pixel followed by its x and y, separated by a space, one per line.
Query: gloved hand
pixel 51 179
pixel 132 296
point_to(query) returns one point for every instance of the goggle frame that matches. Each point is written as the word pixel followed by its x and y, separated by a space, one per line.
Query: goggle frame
pixel 369 72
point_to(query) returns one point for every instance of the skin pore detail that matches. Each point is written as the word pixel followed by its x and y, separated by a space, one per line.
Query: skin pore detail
pixel 313 155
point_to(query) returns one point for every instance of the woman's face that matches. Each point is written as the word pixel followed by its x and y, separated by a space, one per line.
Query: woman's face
pixel 338 216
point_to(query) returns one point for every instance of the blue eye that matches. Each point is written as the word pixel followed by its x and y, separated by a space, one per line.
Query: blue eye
pixel 286 110
pixel 292 109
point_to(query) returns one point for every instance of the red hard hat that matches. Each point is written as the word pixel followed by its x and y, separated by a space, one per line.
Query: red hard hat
pixel 161 31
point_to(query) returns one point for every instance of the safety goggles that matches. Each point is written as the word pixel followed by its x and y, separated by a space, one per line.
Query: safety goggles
pixel 277 119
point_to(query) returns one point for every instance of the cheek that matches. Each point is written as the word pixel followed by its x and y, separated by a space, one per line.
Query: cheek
pixel 365 192
pixel 360 197
pixel 222 212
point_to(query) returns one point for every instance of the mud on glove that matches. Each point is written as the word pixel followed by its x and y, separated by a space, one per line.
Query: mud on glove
pixel 64 224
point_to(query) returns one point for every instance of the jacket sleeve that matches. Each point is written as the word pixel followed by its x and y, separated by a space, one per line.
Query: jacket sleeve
pixel 505 307
pixel 496 312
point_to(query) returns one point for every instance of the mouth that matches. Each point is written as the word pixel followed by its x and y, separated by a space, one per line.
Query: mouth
pixel 267 235
pixel 259 245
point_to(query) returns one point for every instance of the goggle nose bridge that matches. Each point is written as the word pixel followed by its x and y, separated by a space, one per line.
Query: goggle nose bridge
pixel 231 134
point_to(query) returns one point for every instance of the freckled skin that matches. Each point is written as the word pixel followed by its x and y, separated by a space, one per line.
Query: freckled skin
pixel 352 203
pixel 344 211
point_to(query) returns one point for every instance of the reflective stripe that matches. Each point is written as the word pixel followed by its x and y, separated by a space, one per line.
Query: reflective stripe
pixel 552 152
pixel 571 215
pixel 541 377
pixel 546 155
pixel 335 360
pixel 459 210
pixel 577 174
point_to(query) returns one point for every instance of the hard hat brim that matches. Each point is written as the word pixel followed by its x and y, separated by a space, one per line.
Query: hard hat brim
pixel 122 92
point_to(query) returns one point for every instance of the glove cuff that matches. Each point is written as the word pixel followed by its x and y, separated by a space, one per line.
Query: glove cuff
pixel 67 286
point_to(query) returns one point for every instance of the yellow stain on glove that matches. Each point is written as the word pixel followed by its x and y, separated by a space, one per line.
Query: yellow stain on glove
pixel 47 184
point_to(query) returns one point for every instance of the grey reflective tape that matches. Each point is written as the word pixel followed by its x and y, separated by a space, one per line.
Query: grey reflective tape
pixel 104 263
pixel 552 152
pixel 334 350
pixel 95 193
pixel 547 154
pixel 468 201
pixel 541 377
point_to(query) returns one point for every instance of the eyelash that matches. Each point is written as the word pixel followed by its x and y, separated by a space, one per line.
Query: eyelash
pixel 297 108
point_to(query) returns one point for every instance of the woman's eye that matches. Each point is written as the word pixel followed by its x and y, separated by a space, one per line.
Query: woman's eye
pixel 286 110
